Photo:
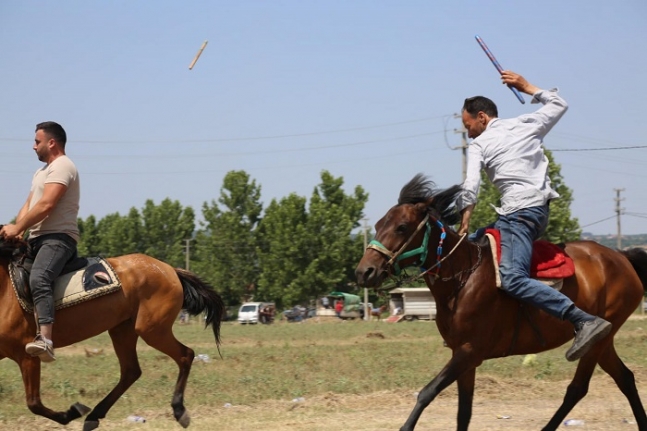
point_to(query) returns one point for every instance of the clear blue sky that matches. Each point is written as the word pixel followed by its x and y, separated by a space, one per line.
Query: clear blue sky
pixel 142 125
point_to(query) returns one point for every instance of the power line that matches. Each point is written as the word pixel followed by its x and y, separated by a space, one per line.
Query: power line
pixel 251 138
pixel 599 149
pixel 596 222
pixel 256 152
pixel 572 136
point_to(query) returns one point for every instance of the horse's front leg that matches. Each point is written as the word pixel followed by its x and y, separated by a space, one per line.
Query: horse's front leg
pixel 461 366
pixel 30 369
pixel 465 398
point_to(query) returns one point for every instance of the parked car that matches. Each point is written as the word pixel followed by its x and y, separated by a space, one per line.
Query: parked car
pixel 299 313
pixel 255 312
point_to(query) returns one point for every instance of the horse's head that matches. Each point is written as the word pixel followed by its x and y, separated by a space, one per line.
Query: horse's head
pixel 405 234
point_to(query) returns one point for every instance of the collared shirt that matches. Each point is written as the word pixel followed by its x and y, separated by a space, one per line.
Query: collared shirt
pixel 510 151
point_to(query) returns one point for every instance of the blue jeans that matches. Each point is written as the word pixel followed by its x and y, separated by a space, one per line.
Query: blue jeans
pixel 518 231
pixel 52 252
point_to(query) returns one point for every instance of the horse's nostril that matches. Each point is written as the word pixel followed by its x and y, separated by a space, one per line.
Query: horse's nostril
pixel 370 270
pixel 363 274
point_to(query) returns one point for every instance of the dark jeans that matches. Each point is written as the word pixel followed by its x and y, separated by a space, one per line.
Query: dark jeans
pixel 52 252
pixel 518 231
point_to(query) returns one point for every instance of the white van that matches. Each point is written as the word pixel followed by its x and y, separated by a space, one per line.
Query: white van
pixel 250 312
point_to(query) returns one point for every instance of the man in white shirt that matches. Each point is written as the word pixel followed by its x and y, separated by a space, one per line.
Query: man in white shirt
pixel 50 213
pixel 510 151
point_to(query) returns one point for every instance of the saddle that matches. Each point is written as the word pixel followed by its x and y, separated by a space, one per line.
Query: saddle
pixel 82 279
pixel 550 264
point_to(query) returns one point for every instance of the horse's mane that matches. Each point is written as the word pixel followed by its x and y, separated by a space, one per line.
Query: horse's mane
pixel 442 202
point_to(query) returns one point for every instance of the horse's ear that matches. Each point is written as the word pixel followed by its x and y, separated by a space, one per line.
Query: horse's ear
pixel 422 207
pixel 425 206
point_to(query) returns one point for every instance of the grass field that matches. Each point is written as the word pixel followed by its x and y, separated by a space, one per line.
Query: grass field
pixel 279 362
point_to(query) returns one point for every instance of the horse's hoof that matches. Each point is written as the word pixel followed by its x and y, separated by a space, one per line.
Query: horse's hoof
pixel 90 425
pixel 82 409
pixel 184 420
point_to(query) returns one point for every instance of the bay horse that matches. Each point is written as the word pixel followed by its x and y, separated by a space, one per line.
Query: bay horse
pixel 149 301
pixel 478 321
pixel 377 312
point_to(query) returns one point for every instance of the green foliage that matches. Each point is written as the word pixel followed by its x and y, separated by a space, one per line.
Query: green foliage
pixel 332 217
pixel 298 251
pixel 561 226
pixel 89 242
pixel 283 242
pixel 159 231
pixel 488 196
pixel 167 226
pixel 226 253
pixel 304 254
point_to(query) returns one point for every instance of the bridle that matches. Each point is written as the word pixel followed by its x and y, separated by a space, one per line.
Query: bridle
pixel 421 251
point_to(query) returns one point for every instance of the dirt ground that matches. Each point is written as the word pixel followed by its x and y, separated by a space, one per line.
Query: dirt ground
pixel 498 405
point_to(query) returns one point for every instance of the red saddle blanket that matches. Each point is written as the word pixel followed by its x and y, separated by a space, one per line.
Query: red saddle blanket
pixel 548 259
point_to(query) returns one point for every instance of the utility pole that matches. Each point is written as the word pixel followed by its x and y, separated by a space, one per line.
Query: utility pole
pixel 463 146
pixel 367 312
pixel 187 253
pixel 365 231
pixel 618 213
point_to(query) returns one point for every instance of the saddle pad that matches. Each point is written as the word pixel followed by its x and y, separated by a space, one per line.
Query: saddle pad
pixel 549 261
pixel 75 287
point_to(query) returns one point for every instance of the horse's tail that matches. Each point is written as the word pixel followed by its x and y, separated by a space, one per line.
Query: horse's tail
pixel 638 259
pixel 200 296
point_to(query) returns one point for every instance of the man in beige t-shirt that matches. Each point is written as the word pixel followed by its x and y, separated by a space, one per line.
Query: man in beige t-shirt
pixel 50 213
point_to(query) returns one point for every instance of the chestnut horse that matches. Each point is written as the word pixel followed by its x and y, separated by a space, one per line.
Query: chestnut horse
pixel 479 321
pixel 151 297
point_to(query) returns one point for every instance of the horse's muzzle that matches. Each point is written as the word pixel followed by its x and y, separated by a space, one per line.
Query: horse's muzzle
pixel 368 275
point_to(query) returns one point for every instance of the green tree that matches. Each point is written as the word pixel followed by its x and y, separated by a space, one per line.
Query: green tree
pixel 333 215
pixel 284 251
pixel 561 226
pixel 89 242
pixel 167 226
pixel 305 254
pixel 107 244
pixel 226 246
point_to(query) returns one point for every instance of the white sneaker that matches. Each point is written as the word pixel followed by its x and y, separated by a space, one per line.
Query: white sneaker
pixel 41 348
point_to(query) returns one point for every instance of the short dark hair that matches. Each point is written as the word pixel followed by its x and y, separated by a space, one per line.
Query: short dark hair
pixel 55 130
pixel 473 105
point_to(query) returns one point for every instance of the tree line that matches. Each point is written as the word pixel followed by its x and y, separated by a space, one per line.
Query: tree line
pixel 289 252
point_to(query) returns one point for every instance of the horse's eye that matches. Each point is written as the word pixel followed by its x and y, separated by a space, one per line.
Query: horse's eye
pixel 401 228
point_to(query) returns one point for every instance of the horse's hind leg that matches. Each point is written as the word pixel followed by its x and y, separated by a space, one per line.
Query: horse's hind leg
pixel 162 339
pixel 576 390
pixel 124 340
pixel 624 378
